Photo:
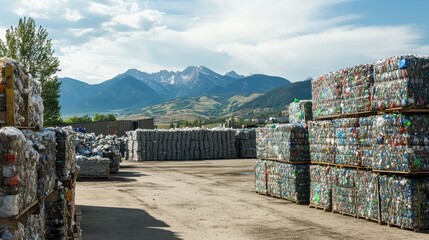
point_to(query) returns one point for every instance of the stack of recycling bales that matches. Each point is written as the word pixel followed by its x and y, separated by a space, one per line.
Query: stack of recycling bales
pixel 377 160
pixel 283 151
pixel 245 142
pixel 181 144
pixel 92 150
pixel 300 111
pixel 21 103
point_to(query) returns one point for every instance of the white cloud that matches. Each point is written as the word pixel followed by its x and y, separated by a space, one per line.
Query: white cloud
pixel 37 8
pixel 293 39
pixel 72 15
pixel 2 33
pixel 79 32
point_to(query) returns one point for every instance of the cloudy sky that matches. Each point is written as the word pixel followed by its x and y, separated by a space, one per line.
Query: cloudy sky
pixel 96 40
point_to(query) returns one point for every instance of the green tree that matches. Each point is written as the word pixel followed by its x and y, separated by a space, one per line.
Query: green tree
pixel 101 117
pixel 76 119
pixel 32 47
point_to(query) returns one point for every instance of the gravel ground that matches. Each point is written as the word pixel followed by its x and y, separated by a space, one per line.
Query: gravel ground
pixel 213 199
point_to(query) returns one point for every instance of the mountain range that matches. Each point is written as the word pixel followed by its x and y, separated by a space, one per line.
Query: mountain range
pixel 129 92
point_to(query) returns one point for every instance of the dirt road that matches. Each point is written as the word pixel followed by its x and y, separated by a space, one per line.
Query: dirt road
pixel 207 200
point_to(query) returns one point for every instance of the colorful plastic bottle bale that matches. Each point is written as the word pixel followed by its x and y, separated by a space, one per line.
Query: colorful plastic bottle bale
pixel 347 150
pixel 344 191
pixel 262 142
pixel 366 133
pixel 367 195
pixel 320 186
pixel 402 143
pixel 356 88
pixel 261 176
pixel 273 179
pixel 321 140
pixel 401 81
pixel 295 182
pixel 301 111
pixel 326 95
pixel 405 201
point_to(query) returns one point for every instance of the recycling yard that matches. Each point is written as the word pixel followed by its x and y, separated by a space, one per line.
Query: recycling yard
pixel 211 199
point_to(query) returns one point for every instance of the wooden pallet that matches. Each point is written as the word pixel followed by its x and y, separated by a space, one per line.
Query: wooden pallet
pixel 403 110
pixel 352 166
pixel 289 162
pixel 295 201
pixel 426 173
pixel 320 208
pixel 370 219
pixel 402 227
pixel 323 163
pixel 344 213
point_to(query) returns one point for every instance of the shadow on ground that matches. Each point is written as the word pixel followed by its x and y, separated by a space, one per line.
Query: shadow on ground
pixel 122 176
pixel 122 223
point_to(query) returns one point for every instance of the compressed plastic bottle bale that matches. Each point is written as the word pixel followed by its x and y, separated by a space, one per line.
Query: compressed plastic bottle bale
pixel 93 166
pixel 322 141
pixel 273 179
pixel 16 166
pixel 66 152
pixel 357 82
pixel 367 195
pixel 366 133
pixel 301 111
pixel 262 142
pixel 344 190
pixel 287 142
pixel 347 150
pixel 245 140
pixel 320 187
pixel 401 81
pixel 326 95
pixel 30 113
pixel 261 176
pixel 295 182
pixel 402 143
pixel 405 201
pixel 56 219
pixel 35 227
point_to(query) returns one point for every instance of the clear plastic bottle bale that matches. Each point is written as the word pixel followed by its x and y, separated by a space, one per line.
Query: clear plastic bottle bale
pixel 322 141
pixel 295 182
pixel 367 195
pixel 262 142
pixel 401 81
pixel 320 186
pixel 289 142
pixel 326 95
pixel 35 226
pixel 26 113
pixel 273 179
pixel 261 176
pixel 18 172
pixel 347 150
pixel 367 134
pixel 402 143
pixel 344 190
pixel 301 111
pixel 357 82
pixel 56 219
pixel 95 166
pixel 405 201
